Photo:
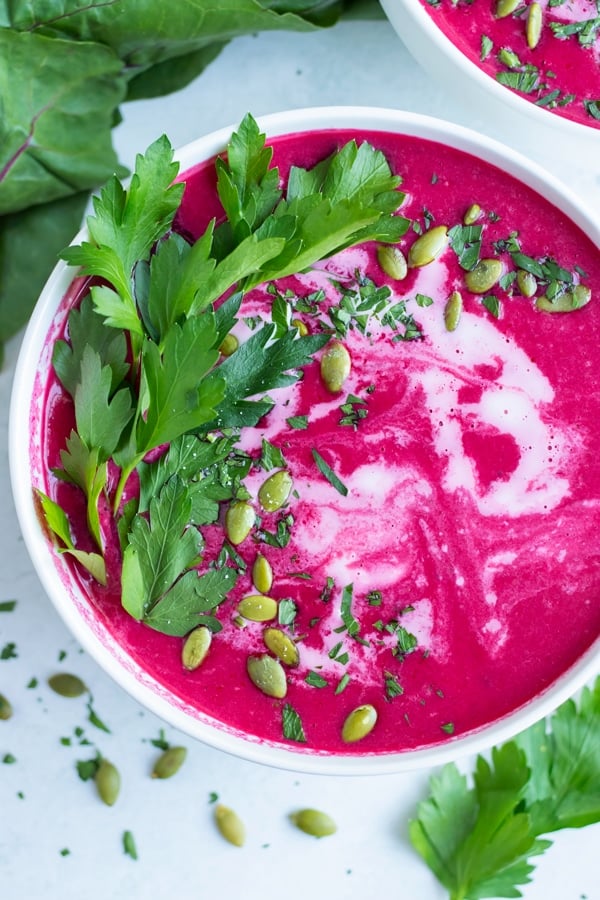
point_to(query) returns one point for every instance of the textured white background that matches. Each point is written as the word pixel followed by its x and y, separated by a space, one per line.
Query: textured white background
pixel 180 854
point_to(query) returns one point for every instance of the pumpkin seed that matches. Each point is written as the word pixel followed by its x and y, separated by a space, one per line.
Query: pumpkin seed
pixel 393 261
pixel 274 492
pixel 533 26
pixel 230 825
pixel 359 723
pixel 567 302
pixel 428 247
pixel 300 326
pixel 526 282
pixel 195 647
pixel 452 311
pixel 239 520
pixel 281 644
pixel 66 685
pixel 472 214
pixel 262 574
pixel 313 822
pixel 506 7
pixel 335 366
pixel 6 710
pixel 258 608
pixel 229 345
pixel 268 675
pixel 484 276
pixel 108 782
pixel 169 762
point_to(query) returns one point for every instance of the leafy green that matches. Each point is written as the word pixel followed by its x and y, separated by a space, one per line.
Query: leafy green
pixel 564 790
pixel 124 228
pixel 58 102
pixel 479 840
pixel 142 362
pixel 160 549
pixel 57 522
pixel 30 241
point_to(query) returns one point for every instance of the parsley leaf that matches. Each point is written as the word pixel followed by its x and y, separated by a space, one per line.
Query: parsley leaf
pixel 160 549
pixel 479 840
pixel 124 228
pixel 472 838
pixel 564 790
pixel 326 470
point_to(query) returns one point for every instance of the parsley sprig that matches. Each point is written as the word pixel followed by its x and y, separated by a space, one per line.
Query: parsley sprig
pixel 479 839
pixel 142 364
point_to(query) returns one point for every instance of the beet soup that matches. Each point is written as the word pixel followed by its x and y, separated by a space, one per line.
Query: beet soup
pixel 433 544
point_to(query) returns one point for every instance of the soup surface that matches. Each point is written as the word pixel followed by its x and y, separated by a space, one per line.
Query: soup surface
pixel 436 558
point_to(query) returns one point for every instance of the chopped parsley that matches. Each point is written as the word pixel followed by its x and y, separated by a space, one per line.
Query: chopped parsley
pixel 292 726
pixel 326 470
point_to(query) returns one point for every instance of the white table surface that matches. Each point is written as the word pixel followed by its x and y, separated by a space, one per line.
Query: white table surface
pixel 44 807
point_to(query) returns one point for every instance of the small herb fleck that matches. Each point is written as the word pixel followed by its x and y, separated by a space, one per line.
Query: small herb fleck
pixel 129 847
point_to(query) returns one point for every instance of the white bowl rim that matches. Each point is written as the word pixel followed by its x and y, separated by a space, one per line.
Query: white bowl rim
pixel 395 9
pixel 141 687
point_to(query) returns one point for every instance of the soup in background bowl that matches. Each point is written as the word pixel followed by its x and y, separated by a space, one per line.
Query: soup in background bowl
pixel 532 69
pixel 378 549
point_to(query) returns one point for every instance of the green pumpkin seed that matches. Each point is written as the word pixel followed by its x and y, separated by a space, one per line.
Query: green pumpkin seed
pixel 428 247
pixel 314 822
pixel 6 710
pixel 108 782
pixel 393 261
pixel 526 282
pixel 505 8
pixel 282 646
pixel 258 608
pixel 262 574
pixel 335 366
pixel 359 723
pixel 169 762
pixel 195 647
pixel 230 825
pixel 452 311
pixel 66 685
pixel 268 675
pixel 567 302
pixel 484 276
pixel 300 326
pixel 274 492
pixel 534 24
pixel 239 520
pixel 229 345
pixel 472 214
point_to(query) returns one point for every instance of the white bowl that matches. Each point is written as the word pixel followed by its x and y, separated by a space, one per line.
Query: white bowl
pixel 27 472
pixel 514 119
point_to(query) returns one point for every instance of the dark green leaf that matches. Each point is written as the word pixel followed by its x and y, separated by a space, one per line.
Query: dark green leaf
pixel 160 549
pixel 179 609
pixel 30 242
pixel 58 100
pixel 86 329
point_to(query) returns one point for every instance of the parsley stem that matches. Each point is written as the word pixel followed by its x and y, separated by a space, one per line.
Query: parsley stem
pixel 126 471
